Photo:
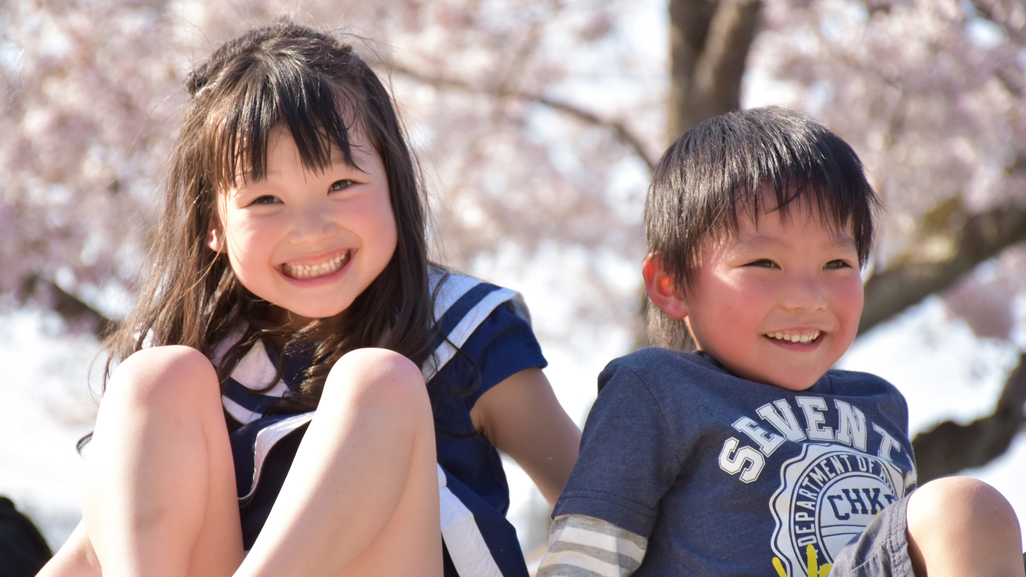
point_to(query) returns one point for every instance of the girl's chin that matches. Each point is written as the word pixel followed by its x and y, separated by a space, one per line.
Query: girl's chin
pixel 296 320
pixel 302 320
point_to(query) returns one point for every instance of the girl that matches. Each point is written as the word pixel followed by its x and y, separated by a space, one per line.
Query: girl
pixel 290 274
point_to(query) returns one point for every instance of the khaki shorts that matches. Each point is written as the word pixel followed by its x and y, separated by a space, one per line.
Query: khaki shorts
pixel 882 548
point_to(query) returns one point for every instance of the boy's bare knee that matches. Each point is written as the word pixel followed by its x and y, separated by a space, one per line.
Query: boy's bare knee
pixel 961 520
pixel 959 499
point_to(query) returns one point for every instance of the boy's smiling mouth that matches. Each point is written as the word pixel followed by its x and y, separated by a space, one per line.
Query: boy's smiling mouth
pixel 792 337
pixel 305 271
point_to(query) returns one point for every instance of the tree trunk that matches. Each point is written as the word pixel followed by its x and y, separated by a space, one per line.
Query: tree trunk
pixel 709 43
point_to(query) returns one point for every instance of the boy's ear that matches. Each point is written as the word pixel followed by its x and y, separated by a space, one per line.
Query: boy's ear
pixel 662 288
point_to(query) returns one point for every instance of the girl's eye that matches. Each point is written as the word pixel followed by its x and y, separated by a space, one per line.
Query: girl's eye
pixel 341 185
pixel 837 264
pixel 266 199
pixel 762 263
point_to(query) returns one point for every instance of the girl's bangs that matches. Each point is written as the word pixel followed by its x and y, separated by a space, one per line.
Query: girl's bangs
pixel 240 127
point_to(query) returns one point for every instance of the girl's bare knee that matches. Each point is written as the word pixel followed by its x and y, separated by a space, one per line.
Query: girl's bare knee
pixel 165 374
pixel 378 376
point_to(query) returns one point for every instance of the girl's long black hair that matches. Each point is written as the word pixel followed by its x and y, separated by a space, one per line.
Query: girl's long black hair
pixel 317 88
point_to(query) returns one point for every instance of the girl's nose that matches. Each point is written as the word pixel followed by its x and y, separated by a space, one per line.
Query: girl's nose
pixel 312 228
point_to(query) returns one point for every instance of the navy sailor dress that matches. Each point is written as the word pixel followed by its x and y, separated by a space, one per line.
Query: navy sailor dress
pixel 487 338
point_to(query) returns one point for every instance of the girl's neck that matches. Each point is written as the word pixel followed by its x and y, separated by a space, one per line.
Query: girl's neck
pixel 289 322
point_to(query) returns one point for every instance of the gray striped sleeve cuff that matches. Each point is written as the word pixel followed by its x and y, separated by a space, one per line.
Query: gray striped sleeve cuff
pixel 581 546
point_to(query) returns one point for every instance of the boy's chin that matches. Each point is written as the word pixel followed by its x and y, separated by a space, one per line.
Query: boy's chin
pixel 789 382
pixel 793 385
pixel 793 377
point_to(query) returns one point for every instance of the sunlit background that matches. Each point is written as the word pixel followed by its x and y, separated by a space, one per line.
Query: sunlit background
pixel 535 123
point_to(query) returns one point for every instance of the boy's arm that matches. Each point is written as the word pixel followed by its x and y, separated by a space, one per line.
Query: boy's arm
pixel 581 545
pixel 629 461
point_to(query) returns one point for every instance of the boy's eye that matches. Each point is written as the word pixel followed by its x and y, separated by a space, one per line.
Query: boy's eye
pixel 762 263
pixel 837 264
pixel 341 185
pixel 266 199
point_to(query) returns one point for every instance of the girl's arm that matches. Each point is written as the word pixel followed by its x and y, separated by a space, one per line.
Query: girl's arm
pixel 521 417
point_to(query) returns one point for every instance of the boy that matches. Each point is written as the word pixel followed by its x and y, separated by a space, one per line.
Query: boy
pixel 750 456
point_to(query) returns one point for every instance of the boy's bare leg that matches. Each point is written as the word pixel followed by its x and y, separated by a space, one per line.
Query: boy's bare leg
pixel 160 495
pixel 363 488
pixel 960 526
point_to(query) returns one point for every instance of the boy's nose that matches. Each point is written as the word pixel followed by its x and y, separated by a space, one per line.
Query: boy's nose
pixel 807 295
pixel 311 227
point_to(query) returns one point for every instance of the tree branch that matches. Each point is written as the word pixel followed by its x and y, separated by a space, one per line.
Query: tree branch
pixel 623 134
pixel 988 10
pixel 949 447
pixel 73 310
pixel 983 236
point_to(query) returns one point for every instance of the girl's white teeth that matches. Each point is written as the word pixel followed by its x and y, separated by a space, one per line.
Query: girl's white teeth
pixel 795 338
pixel 300 271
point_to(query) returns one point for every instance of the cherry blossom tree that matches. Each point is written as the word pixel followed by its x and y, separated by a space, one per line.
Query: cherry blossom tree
pixel 933 96
pixel 537 124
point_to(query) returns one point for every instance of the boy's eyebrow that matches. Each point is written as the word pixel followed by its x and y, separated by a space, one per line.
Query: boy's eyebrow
pixel 842 240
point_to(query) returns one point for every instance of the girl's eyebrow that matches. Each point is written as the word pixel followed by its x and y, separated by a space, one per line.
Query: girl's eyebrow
pixel 244 185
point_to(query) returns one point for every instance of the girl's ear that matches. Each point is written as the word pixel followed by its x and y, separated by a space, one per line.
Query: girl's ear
pixel 215 239
pixel 662 288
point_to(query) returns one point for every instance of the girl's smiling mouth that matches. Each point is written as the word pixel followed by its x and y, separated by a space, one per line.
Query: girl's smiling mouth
pixel 299 271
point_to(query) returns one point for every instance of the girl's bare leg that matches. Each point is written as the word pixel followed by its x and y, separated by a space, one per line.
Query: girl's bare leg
pixel 960 526
pixel 361 497
pixel 75 558
pixel 160 495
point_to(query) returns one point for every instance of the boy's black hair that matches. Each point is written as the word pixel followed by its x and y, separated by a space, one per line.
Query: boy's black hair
pixel 716 170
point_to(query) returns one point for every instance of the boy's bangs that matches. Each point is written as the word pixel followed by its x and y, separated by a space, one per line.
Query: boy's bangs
pixel 809 169
pixel 308 106
pixel 838 207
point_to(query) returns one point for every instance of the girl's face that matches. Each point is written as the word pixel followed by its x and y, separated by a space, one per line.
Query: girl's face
pixel 309 242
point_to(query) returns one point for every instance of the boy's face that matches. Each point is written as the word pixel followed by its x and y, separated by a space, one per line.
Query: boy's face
pixel 777 303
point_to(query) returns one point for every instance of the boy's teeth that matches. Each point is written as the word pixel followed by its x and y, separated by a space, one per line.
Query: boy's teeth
pixel 794 338
pixel 299 271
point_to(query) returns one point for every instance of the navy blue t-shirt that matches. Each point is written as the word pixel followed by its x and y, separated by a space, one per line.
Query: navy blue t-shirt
pixel 724 475
pixel 485 337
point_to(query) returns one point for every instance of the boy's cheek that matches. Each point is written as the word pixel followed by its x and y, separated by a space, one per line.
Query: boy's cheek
pixel 848 297
pixel 856 301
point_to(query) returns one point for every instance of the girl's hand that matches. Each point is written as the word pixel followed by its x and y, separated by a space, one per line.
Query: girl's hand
pixel 521 417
